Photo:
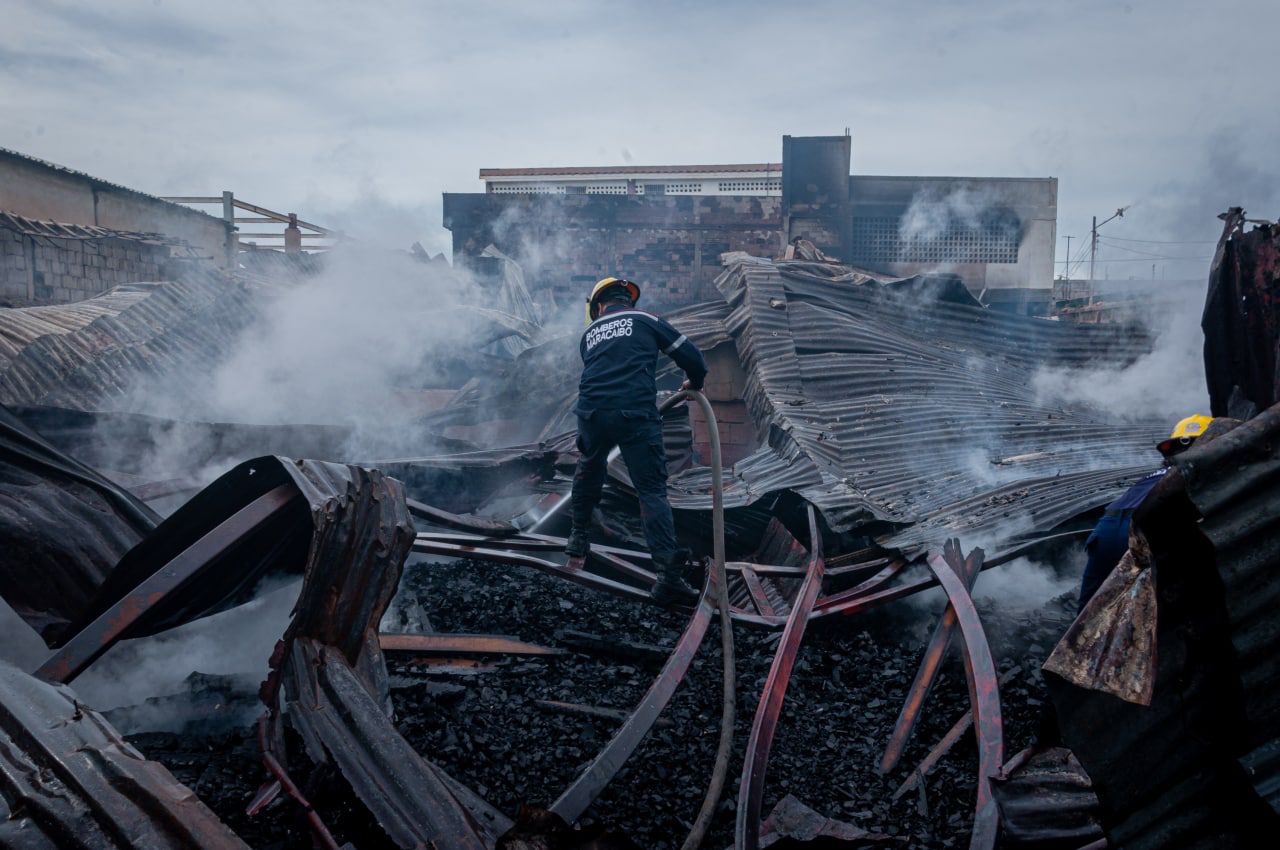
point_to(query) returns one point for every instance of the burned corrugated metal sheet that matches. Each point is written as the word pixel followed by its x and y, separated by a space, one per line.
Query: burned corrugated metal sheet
pixel 69 780
pixel 81 355
pixel 63 528
pixel 1242 319
pixel 330 665
pixel 1047 804
pixel 348 530
pixel 1168 775
pixel 915 408
pixel 1234 482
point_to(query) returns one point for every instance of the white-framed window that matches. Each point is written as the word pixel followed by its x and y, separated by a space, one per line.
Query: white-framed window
pixel 525 189
pixel 750 186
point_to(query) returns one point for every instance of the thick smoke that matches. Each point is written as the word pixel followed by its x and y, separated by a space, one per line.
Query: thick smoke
pixel 238 641
pixel 368 345
pixel 1167 383
pixel 1185 210
pixel 539 240
pixel 1024 585
pixel 235 642
pixel 345 346
pixel 935 214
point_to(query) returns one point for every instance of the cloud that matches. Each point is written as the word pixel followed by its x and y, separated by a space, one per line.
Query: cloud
pixel 304 106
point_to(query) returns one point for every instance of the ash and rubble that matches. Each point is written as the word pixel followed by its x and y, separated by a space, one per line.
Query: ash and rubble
pixel 900 413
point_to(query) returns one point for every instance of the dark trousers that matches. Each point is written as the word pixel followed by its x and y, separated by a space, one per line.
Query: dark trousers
pixel 1105 547
pixel 638 433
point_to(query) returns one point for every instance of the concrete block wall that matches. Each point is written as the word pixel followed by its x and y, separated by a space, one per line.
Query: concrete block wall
pixel 40 190
pixel 38 270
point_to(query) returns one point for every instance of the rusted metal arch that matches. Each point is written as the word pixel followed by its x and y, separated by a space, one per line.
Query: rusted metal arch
pixel 984 694
pixel 95 639
pixel 927 673
pixel 588 786
pixel 763 726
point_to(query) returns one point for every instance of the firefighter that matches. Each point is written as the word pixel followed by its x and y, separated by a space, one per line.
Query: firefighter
pixel 616 407
pixel 1110 538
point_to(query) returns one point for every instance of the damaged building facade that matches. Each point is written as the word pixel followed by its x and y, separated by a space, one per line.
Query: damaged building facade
pixel 667 226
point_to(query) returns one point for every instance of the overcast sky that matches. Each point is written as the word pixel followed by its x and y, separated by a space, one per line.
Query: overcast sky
pixel 363 113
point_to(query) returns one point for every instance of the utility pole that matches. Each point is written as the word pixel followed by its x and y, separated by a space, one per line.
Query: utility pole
pixel 1093 245
pixel 1066 272
pixel 1093 250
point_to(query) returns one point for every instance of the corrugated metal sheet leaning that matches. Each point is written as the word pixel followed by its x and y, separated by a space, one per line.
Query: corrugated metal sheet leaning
pixel 330 669
pixel 348 530
pixel 1173 774
pixel 1242 318
pixel 1234 483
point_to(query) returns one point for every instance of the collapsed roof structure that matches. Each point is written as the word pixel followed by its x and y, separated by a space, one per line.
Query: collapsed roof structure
pixel 890 416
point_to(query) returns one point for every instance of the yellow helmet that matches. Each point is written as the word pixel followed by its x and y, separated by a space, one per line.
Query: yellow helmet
pixel 606 284
pixel 1184 433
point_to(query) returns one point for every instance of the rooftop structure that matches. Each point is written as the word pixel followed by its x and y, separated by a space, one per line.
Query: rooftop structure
pixel 763 178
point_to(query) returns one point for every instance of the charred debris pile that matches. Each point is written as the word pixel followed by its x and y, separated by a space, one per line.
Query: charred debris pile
pixel 446 677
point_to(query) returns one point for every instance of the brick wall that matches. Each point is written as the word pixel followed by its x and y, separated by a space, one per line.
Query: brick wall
pixel 670 245
pixel 51 270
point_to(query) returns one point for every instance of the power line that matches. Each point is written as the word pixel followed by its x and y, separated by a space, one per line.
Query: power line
pixel 1074 262
pixel 1143 254
pixel 1149 259
pixel 1159 242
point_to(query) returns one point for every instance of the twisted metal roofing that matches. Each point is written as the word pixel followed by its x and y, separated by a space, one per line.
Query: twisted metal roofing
pixel 907 405
pixel 83 355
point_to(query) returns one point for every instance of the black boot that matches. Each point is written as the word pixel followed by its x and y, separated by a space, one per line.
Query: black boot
pixel 578 545
pixel 671 586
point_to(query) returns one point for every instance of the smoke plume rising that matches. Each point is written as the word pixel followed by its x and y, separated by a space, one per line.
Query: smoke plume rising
pixel 1168 382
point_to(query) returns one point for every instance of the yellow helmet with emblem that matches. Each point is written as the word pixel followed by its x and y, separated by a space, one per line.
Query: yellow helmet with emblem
pixel 602 286
pixel 1184 434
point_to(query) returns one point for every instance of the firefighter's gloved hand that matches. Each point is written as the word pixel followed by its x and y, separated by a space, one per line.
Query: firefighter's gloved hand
pixel 688 385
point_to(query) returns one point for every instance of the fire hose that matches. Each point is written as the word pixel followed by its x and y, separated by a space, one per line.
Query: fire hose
pixel 721 769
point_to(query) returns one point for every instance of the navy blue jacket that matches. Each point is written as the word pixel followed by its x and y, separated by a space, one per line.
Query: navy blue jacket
pixel 1110 538
pixel 620 355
